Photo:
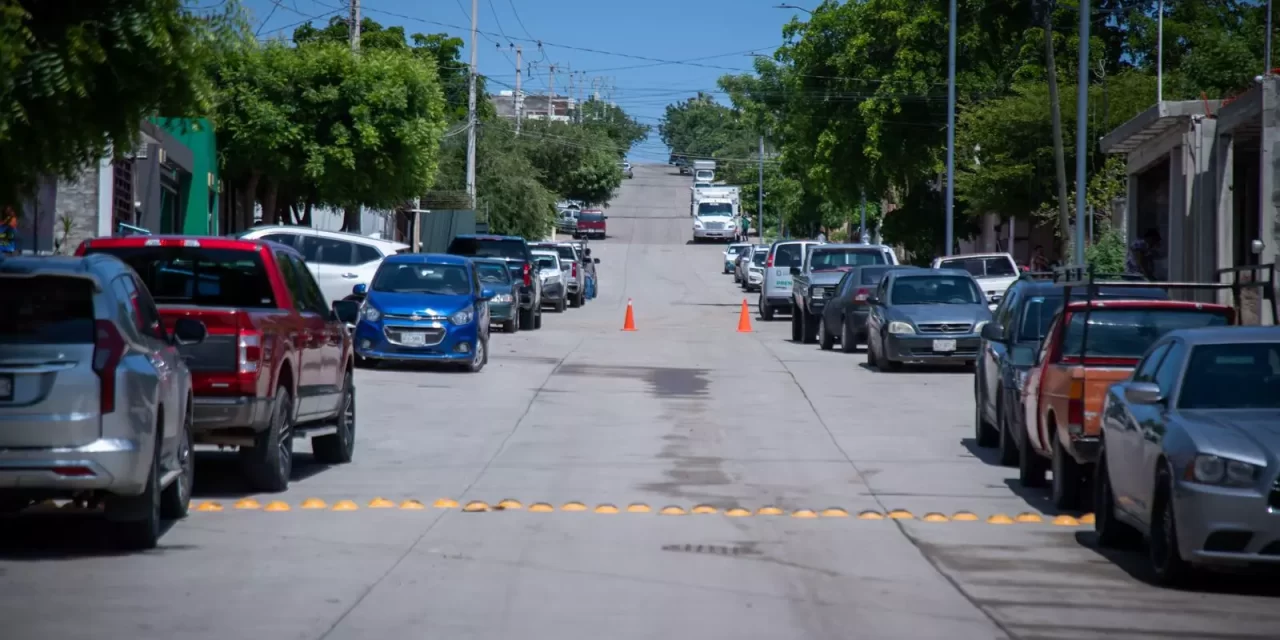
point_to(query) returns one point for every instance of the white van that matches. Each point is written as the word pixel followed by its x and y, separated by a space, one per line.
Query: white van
pixel 775 292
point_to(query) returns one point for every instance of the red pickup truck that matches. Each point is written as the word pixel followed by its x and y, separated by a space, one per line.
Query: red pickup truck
pixel 591 224
pixel 277 361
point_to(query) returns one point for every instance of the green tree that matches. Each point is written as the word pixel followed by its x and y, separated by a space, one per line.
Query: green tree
pixel 78 78
pixel 508 190
pixel 574 162
pixel 613 122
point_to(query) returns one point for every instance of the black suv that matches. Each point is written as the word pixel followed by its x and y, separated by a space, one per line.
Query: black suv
pixel 514 250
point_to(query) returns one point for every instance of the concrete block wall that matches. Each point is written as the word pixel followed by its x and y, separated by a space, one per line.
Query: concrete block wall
pixel 76 208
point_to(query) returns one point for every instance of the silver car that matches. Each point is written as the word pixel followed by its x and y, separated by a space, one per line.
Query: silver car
pixel 1191 452
pixel 95 400
pixel 755 269
pixel 920 316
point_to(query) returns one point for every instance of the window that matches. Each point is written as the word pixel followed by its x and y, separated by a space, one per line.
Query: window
pixel 435 279
pixel 1037 314
pixel 1166 376
pixel 289 273
pixel 1146 370
pixel 1233 376
pixel 715 209
pixel 934 289
pixel 286 239
pixel 984 267
pixel 873 275
pixel 1128 333
pixel 846 283
pixel 1004 313
pixel 493 273
pixel 590 217
pixel 759 257
pixel 321 250
pixel 199 276
pixel 148 314
pixel 830 259
pixel 489 248
pixel 366 254
pixel 46 310
pixel 314 296
pixel 787 255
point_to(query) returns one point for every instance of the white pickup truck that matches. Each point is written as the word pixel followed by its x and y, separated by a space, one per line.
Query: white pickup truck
pixel 995 272
pixel 715 213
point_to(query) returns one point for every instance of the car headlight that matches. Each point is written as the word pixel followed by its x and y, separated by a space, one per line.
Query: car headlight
pixel 697 224
pixel 1216 470
pixel 501 298
pixel 369 313
pixel 462 317
pixel 901 327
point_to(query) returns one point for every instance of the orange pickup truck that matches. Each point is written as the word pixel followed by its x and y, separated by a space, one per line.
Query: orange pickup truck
pixel 1090 346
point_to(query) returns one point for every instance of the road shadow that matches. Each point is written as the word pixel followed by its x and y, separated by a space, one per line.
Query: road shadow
pixel 1040 500
pixel 220 475
pixel 42 533
pixel 1244 582
pixel 989 456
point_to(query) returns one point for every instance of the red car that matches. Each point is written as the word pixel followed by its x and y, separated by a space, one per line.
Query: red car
pixel 591 224
pixel 277 361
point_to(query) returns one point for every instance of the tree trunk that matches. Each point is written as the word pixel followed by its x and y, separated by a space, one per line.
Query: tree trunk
pixel 270 214
pixel 351 218
pixel 248 197
pixel 1059 161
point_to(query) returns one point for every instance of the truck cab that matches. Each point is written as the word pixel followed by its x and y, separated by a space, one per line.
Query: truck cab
pixel 704 171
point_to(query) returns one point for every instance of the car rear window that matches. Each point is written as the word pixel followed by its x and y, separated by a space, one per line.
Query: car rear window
pixel 991 266
pixel 759 257
pixel 46 310
pixel 829 259
pixel 1039 311
pixel 493 273
pixel 489 248
pixel 1127 333
pixel 565 251
pixel 1232 376
pixel 787 255
pixel 200 276
pixel 872 275
pixel 590 217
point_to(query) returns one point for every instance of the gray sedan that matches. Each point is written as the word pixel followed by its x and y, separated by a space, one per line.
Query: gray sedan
pixel 1190 452
pixel 925 316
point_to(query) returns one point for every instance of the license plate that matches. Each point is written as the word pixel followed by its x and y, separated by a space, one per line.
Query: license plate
pixel 946 346
pixel 413 339
pixel 6 387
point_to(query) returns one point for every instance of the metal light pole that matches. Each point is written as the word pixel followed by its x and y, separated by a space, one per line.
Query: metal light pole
pixel 1082 129
pixel 760 198
pixel 1160 51
pixel 951 130
pixel 471 110
pixel 1267 46
pixel 862 233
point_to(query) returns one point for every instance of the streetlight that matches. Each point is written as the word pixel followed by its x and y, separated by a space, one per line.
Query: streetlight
pixel 951 130
pixel 792 6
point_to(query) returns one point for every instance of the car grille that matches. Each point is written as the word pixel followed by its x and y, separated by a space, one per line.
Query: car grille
pixel 432 335
pixel 419 318
pixel 715 226
pixel 944 327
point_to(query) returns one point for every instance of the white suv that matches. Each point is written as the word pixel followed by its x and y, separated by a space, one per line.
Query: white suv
pixel 339 260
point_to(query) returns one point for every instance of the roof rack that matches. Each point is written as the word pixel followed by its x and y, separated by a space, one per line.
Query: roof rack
pixel 1244 277
pixel 1036 275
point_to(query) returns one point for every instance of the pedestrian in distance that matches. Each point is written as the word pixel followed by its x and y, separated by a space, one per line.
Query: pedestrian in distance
pixel 1141 260
pixel 1039 262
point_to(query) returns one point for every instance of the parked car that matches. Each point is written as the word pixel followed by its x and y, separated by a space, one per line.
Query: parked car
pixel 571 262
pixel 503 308
pixel 844 317
pixel 755 269
pixel 592 224
pixel 515 251
pixel 567 222
pixel 337 259
pixel 426 307
pixel 925 317
pixel 995 272
pixel 1090 345
pixel 775 292
pixel 554 290
pixel 625 167
pixel 731 254
pixel 95 400
pixel 1008 349
pixel 1189 451
pixel 741 262
pixel 814 281
pixel 257 384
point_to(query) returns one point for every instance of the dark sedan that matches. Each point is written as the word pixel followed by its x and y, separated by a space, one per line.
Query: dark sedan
pixel 844 319
pixel 503 309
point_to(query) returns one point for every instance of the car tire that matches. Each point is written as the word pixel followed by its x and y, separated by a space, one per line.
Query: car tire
pixel 1162 549
pixel 1007 447
pixel 269 462
pixel 766 311
pixel 826 339
pixel 175 501
pixel 575 300
pixel 809 327
pixel 883 363
pixel 340 446
pixel 1112 533
pixel 848 339
pixel 526 319
pixel 480 358
pixel 510 326
pixel 561 305
pixel 136 520
pixel 797 331
pixel 1067 478
pixel 984 433
pixel 537 319
pixel 1031 467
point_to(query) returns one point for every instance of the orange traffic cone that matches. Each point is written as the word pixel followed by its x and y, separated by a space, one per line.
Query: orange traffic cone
pixel 744 319
pixel 629 323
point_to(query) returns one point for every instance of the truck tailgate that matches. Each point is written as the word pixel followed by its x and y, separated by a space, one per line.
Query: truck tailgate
pixel 1096 381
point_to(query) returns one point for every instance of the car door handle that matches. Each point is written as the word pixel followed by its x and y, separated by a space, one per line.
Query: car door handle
pixel 350 275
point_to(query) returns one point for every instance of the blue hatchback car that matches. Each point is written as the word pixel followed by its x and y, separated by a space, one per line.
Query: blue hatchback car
pixel 424 307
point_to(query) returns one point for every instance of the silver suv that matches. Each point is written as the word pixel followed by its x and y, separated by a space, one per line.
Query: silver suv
pixel 95 400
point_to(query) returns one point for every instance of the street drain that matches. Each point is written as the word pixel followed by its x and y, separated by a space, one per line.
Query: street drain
pixel 711 549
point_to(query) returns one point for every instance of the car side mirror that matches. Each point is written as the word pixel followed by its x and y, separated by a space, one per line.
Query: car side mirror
pixel 347 311
pixel 1143 393
pixel 993 332
pixel 872 300
pixel 595 261
pixel 795 271
pixel 189 331
pixel 486 294
pixel 360 289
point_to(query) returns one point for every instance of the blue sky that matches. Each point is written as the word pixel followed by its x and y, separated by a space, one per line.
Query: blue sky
pixel 652 52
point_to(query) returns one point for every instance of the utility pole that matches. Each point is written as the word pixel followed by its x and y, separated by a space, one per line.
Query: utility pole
pixel 951 131
pixel 1082 128
pixel 518 101
pixel 574 116
pixel 471 110
pixel 863 235
pixel 354 29
pixel 551 91
pixel 760 198
pixel 1160 50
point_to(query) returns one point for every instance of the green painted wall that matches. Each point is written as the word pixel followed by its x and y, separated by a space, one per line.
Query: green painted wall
pixel 199 201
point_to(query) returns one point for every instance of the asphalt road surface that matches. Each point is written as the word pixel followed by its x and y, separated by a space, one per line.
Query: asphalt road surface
pixel 680 481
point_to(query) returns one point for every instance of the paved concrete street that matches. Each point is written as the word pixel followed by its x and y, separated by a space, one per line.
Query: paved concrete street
pixel 810 497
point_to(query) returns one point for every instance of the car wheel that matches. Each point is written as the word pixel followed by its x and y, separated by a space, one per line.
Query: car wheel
pixel 1007 446
pixel 883 362
pixel 848 341
pixel 1066 478
pixel 1162 549
pixel 175 502
pixel 340 446
pixel 480 357
pixel 561 305
pixel 537 319
pixel 1031 467
pixel 826 339
pixel 796 329
pixel 136 519
pixel 766 311
pixel 809 327
pixel 510 326
pixel 575 300
pixel 983 433
pixel 269 462
pixel 526 318
pixel 1111 532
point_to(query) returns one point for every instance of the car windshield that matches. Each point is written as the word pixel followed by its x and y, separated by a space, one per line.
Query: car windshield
pixel 200 276
pixel 935 290
pixel 591 217
pixel 737 251
pixel 715 209
pixel 787 255
pixel 566 252
pixel 1127 333
pixel 433 279
pixel 843 259
pixel 488 248
pixel 988 267
pixel 47 310
pixel 759 258
pixel 1232 376
pixel 547 262
pixel 493 273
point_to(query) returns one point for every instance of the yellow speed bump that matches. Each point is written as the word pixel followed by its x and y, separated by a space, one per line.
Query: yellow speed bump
pixel 1066 521
pixel 704 508
pixel 1086 518
pixel 412 505
pixel 803 514
pixel 964 516
pixel 606 508
pixel 935 517
pixel 737 512
pixel 314 503
pixel 476 506
pixel 1000 518
pixel 345 505
pixel 381 503
pixel 768 511
pixel 446 503
pixel 277 506
pixel 1029 518
pixel 672 511
pixel 510 504
pixel 209 506
pixel 834 512
pixel 870 515
pixel 248 503
pixel 573 506
pixel 541 507
pixel 901 514
pixel 637 507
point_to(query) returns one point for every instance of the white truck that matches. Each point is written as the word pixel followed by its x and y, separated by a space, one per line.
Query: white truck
pixel 995 272
pixel 715 213
pixel 704 170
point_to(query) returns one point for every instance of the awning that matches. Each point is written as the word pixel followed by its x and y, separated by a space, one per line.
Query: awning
pixel 1154 122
